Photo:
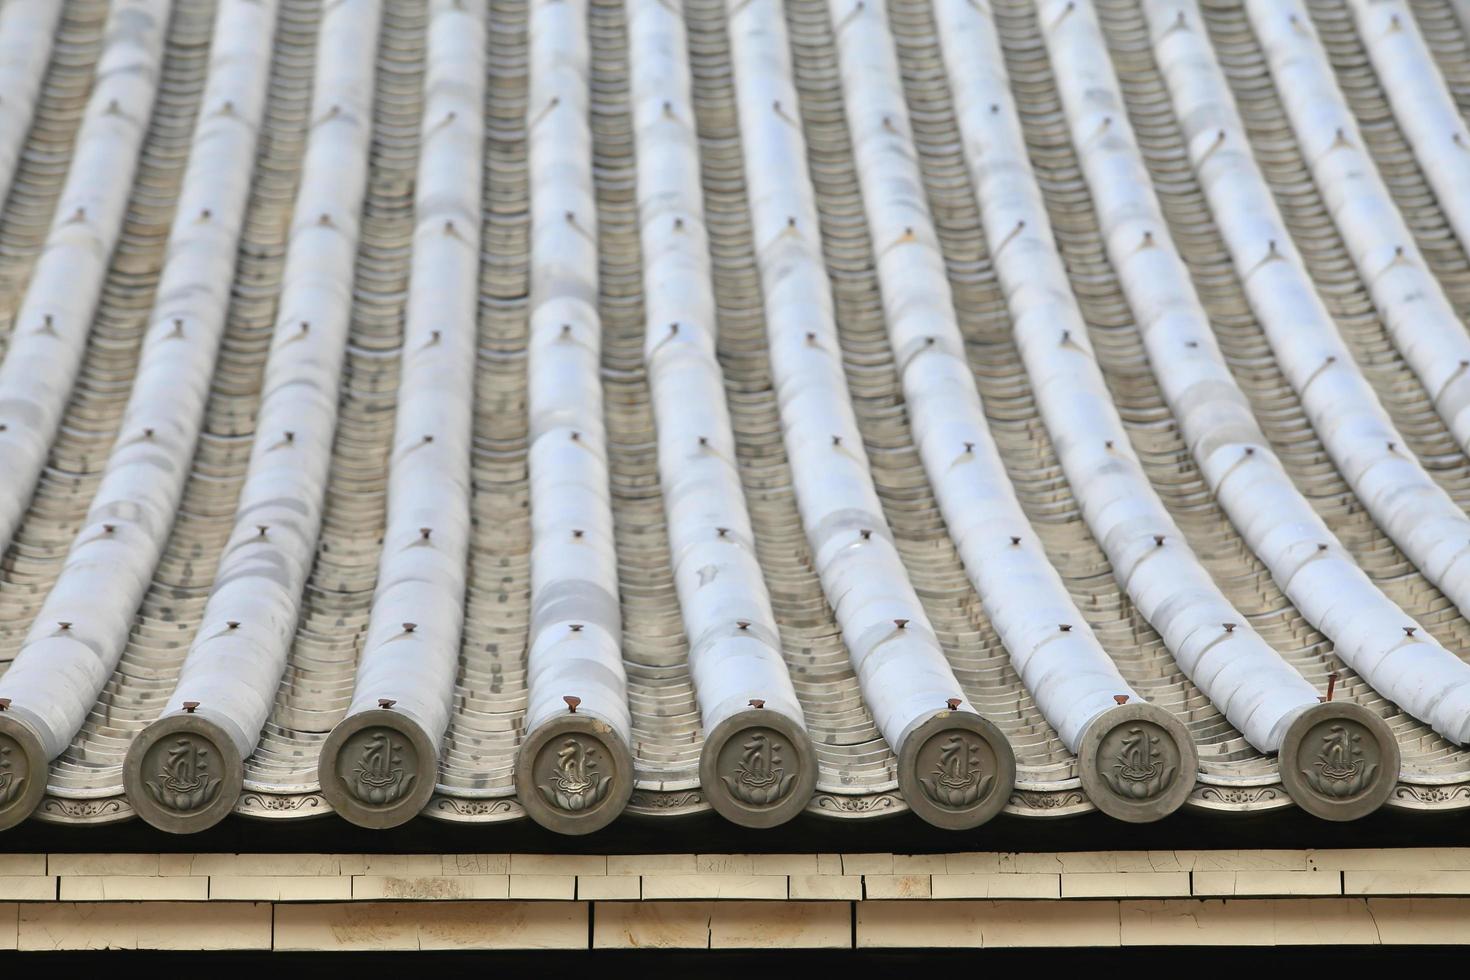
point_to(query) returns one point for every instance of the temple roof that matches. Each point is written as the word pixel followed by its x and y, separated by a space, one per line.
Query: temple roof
pixel 550 409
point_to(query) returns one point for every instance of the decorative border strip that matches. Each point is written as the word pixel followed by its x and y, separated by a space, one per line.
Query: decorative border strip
pixel 1033 804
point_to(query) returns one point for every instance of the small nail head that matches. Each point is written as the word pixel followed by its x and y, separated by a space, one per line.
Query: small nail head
pixel 191 706
pixel 572 701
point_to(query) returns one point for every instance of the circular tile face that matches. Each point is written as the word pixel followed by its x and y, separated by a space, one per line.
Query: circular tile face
pixel 574 775
pixel 1339 761
pixel 1137 763
pixel 377 769
pixel 23 769
pixel 956 770
pixel 182 774
pixel 758 768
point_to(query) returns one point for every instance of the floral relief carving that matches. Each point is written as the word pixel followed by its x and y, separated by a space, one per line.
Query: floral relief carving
pixel 858 804
pixel 1341 768
pixel 1138 762
pixel 12 780
pixel 759 779
pixel 958 778
pixel 379 775
pixel 576 782
pixel 183 777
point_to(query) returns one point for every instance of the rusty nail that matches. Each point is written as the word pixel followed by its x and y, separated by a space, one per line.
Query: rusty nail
pixel 410 627
pixel 290 436
pixel 836 440
pixel 901 623
pixel 1409 630
pixel 576 437
pixel 1065 627
pixel 64 626
pixel 757 702
pixel 424 533
pixel 1331 684
pixel 1158 540
pixel 572 701
pixel 4 703
pixel 577 532
pixel 722 531
pixel 233 624
pixel 969 447
pixel 1015 540
pixel 576 627
pixel 108 528
pixel 189 706
pixel 742 624
pixel 953 704
pixel 1120 698
pixel 386 702
pixel 866 534
pixel 1229 627
pixel 262 528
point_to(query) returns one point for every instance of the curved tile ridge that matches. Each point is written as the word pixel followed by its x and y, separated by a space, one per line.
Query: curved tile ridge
pixel 55 317
pixel 27 33
pixel 1076 684
pixel 574 770
pixel 1418 514
pixel 1421 103
pixel 1410 298
pixel 1256 689
pixel 46 696
pixel 757 766
pixel 955 768
pixel 59 672
pixel 1371 633
pixel 378 765
pixel 184 771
